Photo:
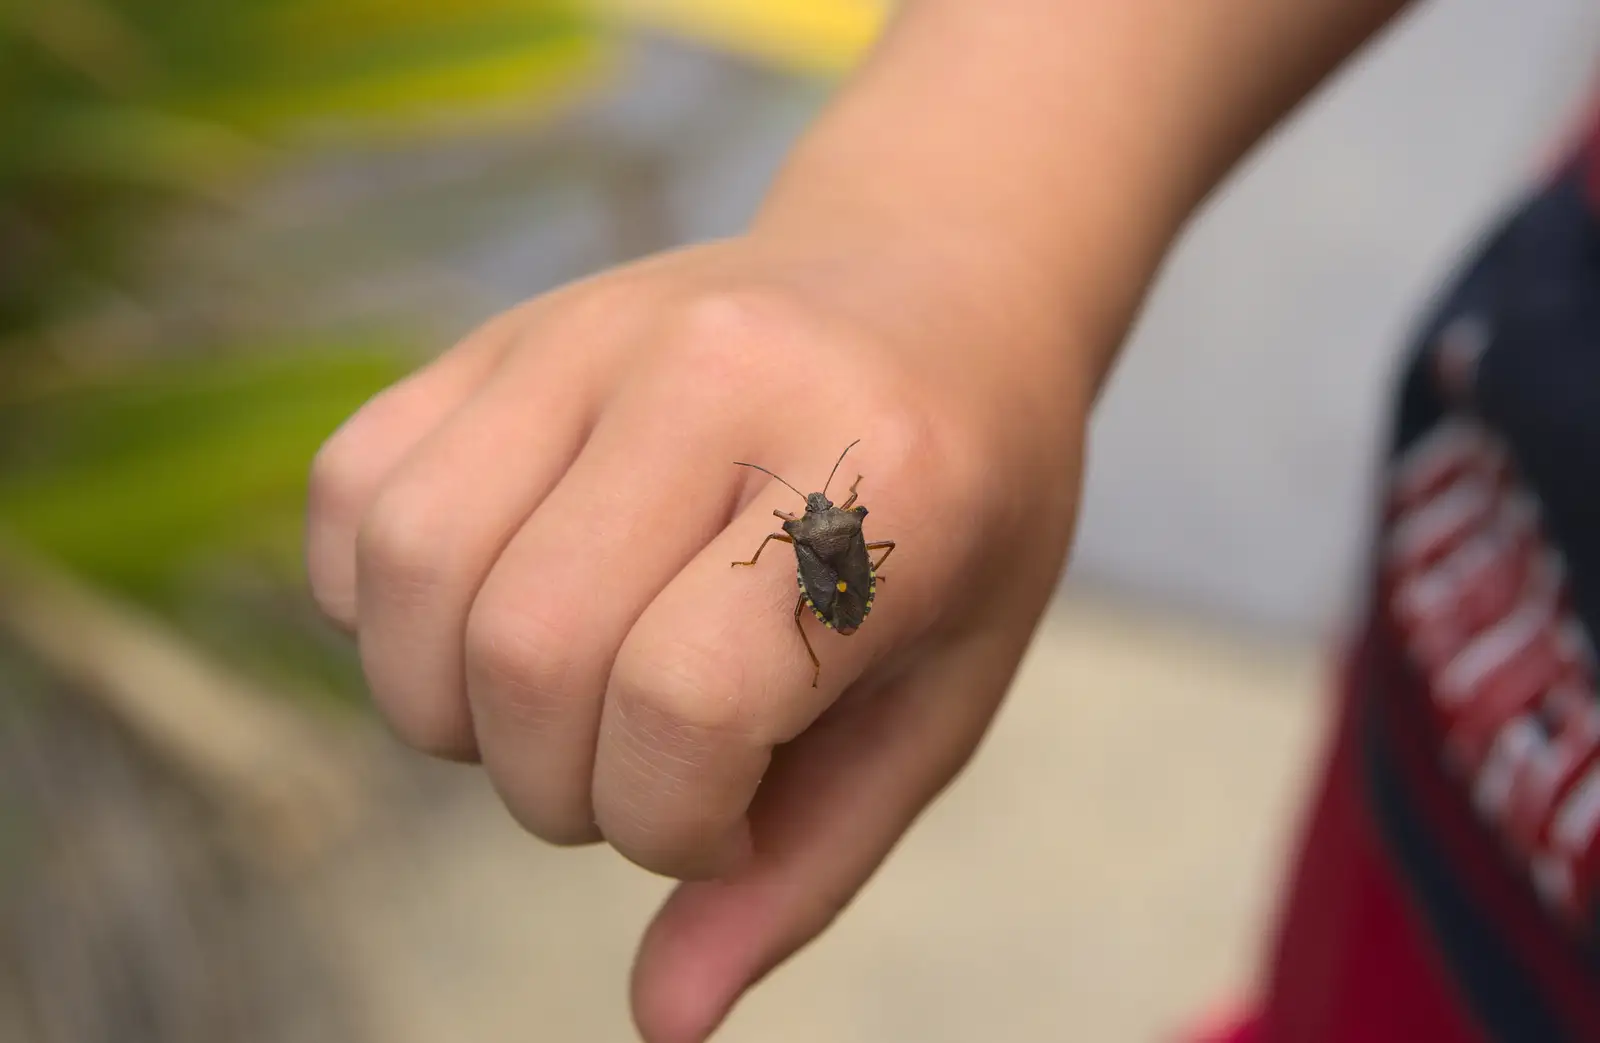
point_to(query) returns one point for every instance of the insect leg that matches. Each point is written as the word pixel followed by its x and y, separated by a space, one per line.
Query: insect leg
pixel 785 537
pixel 816 664
pixel 874 546
pixel 846 505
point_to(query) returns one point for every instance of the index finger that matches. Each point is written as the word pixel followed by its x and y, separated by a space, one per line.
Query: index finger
pixel 714 675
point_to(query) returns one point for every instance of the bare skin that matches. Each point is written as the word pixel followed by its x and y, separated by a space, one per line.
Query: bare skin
pixel 530 537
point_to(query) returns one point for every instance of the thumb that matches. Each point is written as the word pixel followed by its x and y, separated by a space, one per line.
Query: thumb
pixel 831 808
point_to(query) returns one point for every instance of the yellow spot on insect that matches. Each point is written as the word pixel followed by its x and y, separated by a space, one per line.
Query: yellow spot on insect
pixel 841 586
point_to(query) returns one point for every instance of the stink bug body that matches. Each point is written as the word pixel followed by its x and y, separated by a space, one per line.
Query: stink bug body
pixel 834 567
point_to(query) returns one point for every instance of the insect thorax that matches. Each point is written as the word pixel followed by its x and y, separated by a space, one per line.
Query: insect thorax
pixel 827 532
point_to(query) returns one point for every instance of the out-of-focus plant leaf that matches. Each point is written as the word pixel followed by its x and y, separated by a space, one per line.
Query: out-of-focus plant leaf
pixel 178 479
pixel 128 481
pixel 111 110
pixel 143 147
pixel 401 63
pixel 181 485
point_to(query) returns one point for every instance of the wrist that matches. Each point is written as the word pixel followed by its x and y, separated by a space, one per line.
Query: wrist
pixel 1019 202
pixel 1038 158
pixel 1063 286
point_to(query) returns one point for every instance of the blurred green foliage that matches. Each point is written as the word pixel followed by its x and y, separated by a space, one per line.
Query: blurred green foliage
pixel 127 477
pixel 110 108
pixel 177 478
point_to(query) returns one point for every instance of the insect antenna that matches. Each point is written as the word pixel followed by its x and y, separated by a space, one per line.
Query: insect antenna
pixel 836 464
pixel 758 467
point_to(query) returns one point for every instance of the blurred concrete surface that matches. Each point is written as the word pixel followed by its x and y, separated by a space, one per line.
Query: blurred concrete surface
pixel 1101 872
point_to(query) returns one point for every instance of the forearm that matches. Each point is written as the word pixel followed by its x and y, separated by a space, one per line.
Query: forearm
pixel 1046 152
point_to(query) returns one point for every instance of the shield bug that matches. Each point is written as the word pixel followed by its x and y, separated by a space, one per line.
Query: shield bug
pixel 834 567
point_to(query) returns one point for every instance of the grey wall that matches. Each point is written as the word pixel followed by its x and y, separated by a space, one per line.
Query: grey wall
pixel 1233 453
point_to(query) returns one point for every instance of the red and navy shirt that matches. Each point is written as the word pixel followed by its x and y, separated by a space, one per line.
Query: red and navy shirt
pixel 1472 739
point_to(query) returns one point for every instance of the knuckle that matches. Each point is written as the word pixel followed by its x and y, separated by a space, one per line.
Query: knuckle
pixel 346 465
pixel 402 549
pixel 908 433
pixel 941 449
pixel 518 662
pixel 594 310
pixel 730 333
pixel 340 473
pixel 682 693
pixel 910 452
pixel 336 469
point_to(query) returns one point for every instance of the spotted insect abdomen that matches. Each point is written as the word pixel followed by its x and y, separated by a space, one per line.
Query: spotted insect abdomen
pixel 840 602
pixel 800 580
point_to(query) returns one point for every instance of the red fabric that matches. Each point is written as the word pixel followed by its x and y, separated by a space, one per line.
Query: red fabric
pixel 1498 890
pixel 1349 965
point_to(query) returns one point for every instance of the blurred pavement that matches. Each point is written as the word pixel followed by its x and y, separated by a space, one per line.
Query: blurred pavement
pixel 1101 872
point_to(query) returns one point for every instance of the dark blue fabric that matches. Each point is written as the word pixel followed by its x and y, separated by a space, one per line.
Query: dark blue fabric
pixel 1538 384
pixel 1535 282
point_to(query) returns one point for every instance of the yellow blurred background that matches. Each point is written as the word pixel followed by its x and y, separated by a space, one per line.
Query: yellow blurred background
pixel 225 223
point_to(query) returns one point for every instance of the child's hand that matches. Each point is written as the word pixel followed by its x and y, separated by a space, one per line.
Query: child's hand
pixel 532 539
